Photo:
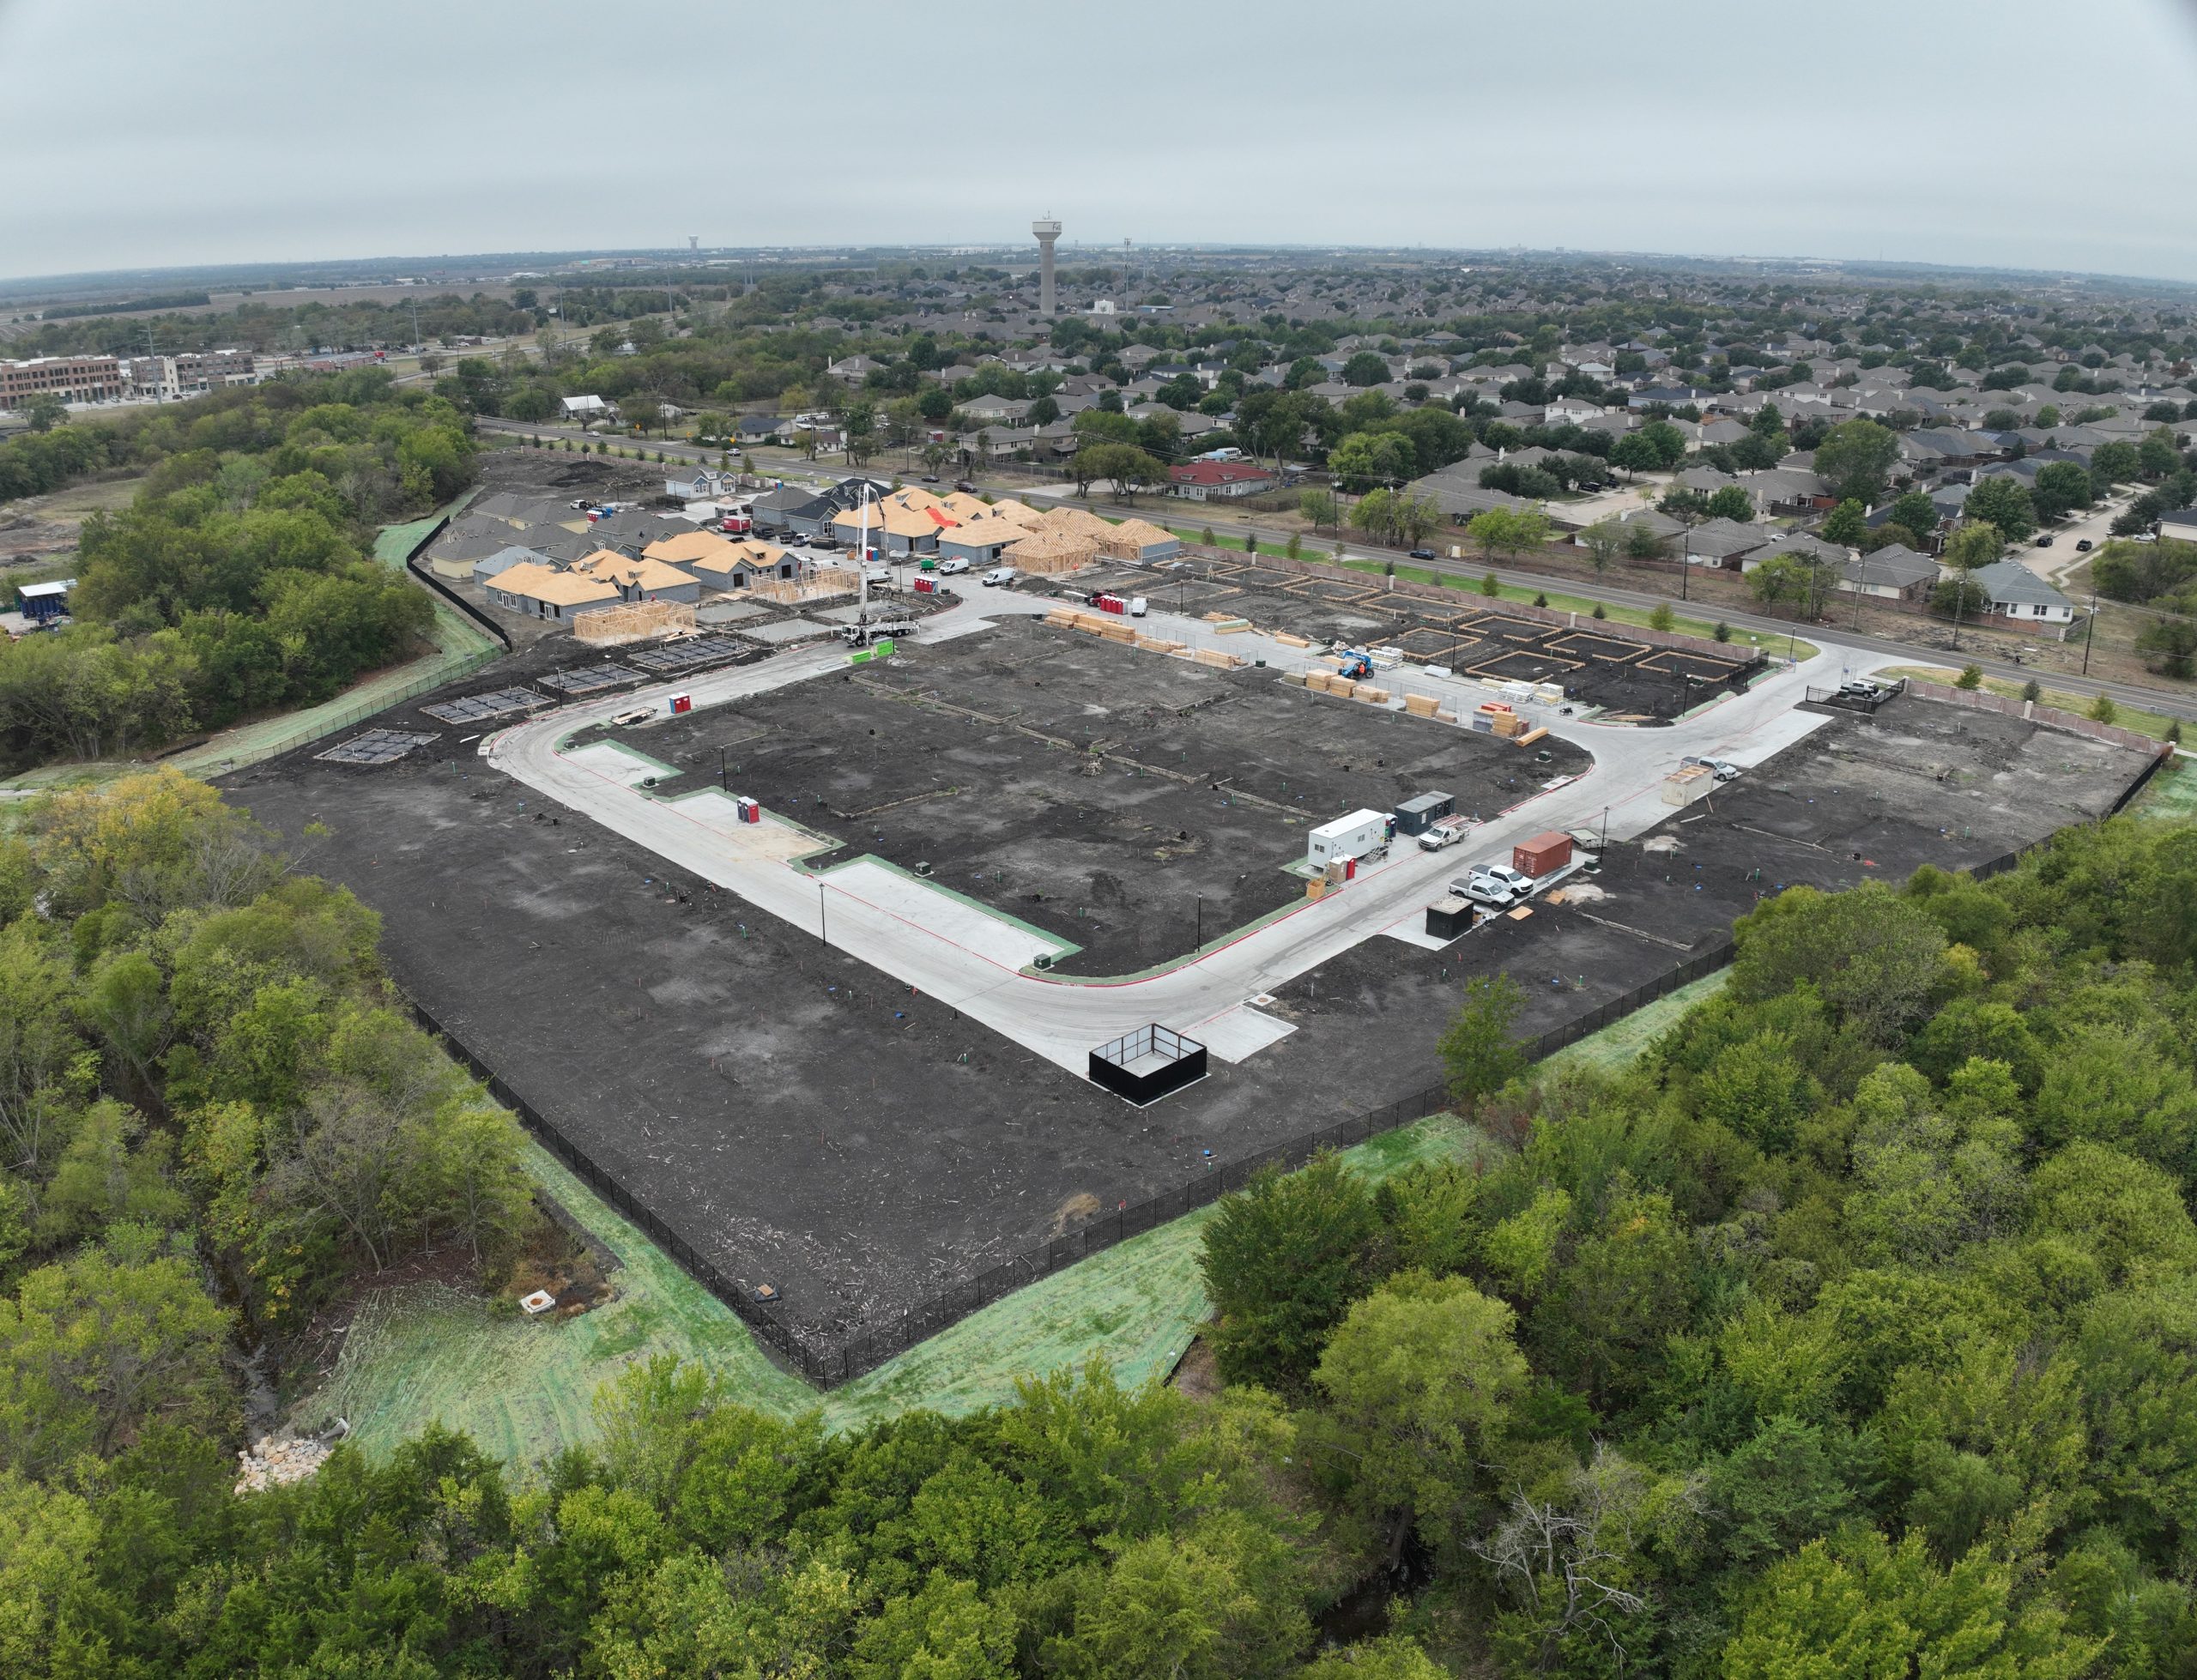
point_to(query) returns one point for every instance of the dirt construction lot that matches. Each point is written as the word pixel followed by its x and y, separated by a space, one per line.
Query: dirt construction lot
pixel 807 1123
pixel 1597 665
pixel 1122 800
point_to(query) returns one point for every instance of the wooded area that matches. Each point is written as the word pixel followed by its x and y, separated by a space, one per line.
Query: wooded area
pixel 1850 1330
pixel 240 582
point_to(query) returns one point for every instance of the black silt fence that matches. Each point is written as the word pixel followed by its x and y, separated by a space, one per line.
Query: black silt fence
pixel 827 1359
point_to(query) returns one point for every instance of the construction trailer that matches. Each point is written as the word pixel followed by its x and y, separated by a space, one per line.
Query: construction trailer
pixel 1422 811
pixel 1353 837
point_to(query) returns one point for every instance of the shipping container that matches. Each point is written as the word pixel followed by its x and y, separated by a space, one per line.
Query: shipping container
pixel 1543 855
pixel 1420 812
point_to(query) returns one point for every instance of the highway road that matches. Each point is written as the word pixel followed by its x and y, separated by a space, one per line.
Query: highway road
pixel 1064 1019
pixel 1870 652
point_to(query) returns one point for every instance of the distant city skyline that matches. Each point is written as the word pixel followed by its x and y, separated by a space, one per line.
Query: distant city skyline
pixel 1713 128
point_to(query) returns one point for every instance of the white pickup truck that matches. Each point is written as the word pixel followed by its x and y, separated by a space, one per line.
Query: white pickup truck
pixel 1443 831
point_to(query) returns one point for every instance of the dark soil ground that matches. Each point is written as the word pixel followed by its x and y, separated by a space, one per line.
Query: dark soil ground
pixel 1598 665
pixel 802 1121
pixel 1093 790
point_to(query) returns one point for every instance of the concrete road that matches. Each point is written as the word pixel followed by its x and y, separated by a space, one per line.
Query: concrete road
pixel 1063 1019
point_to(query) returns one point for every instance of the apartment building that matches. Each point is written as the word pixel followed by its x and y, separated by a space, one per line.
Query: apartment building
pixel 71 378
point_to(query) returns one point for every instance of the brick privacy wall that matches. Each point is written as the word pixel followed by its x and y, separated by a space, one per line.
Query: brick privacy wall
pixel 1707 648
pixel 2050 716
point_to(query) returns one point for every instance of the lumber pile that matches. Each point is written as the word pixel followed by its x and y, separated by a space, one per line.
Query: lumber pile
pixel 1290 638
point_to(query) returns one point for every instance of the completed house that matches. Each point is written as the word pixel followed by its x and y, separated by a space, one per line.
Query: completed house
pixel 1218 480
pixel 2021 599
pixel 1894 572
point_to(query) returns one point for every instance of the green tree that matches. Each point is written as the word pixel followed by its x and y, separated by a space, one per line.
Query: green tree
pixel 2003 501
pixel 1973 544
pixel 1478 1053
pixel 1856 458
pixel 1732 502
pixel 2062 486
pixel 1668 442
pixel 1365 459
pixel 1970 678
pixel 1662 617
pixel 1916 512
pixel 1845 525
pixel 95 1350
pixel 45 410
pixel 1863 1607
pixel 1602 540
pixel 1870 955
pixel 1282 1259
pixel 1421 1382
pixel 1365 368
pixel 1318 507
pixel 1633 454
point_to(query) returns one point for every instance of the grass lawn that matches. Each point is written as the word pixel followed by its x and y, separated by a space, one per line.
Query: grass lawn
pixel 524 1389
pixel 2152 723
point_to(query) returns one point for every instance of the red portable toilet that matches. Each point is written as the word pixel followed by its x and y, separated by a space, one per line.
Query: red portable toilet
pixel 681 703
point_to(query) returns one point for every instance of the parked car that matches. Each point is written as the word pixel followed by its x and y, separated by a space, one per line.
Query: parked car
pixel 2044 541
pixel 998 576
pixel 1723 770
pixel 1861 689
pixel 2083 546
pixel 951 568
pixel 1484 890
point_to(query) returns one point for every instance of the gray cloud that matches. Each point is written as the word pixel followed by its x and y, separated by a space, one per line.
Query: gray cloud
pixel 2018 132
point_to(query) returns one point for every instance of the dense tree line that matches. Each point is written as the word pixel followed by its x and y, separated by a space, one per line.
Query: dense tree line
pixel 1851 1330
pixel 213 1113
pixel 240 582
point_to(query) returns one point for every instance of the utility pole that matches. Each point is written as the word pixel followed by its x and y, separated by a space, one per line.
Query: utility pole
pixel 2089 633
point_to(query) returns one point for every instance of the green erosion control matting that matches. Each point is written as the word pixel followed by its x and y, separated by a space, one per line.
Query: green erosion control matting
pixel 524 1389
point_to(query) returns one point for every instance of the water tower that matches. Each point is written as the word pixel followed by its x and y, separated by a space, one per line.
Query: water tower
pixel 1048 231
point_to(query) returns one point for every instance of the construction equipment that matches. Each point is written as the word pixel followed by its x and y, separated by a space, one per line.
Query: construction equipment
pixel 1355 664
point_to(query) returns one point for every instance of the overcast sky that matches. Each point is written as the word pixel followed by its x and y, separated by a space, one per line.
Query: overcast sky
pixel 2025 133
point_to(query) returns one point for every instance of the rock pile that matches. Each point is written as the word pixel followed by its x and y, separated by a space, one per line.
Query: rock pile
pixel 277 1460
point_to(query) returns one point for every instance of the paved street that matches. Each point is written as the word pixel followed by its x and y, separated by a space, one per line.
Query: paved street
pixel 1062 1020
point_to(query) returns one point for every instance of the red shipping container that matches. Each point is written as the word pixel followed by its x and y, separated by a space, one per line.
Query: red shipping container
pixel 1543 855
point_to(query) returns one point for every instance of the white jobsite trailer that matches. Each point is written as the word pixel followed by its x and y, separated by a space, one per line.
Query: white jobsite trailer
pixel 1354 835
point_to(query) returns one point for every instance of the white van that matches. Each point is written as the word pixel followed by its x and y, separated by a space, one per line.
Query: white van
pixel 999 576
